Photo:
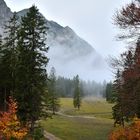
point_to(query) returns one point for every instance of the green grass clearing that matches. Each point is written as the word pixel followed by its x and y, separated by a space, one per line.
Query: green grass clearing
pixel 99 108
pixel 78 128
pixel 68 128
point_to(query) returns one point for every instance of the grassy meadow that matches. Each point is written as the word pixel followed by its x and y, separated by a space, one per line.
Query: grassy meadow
pixel 79 128
pixel 89 107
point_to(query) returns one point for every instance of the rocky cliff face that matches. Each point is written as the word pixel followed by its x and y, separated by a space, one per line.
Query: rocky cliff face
pixel 5 14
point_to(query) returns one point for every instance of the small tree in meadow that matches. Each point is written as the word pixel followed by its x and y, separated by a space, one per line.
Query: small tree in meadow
pixel 53 102
pixel 77 93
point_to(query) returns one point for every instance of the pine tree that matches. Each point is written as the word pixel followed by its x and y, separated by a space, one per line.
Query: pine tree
pixel 109 92
pixel 9 59
pixel 128 77
pixel 77 94
pixel 53 102
pixel 136 79
pixel 31 67
pixel 117 108
pixel 1 76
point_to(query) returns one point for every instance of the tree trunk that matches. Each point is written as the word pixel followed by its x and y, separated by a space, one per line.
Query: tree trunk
pixel 32 125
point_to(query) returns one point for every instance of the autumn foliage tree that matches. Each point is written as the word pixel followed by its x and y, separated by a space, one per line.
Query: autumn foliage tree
pixel 10 126
pixel 128 98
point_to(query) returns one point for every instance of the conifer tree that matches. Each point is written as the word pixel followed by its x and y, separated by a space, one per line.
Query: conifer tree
pixel 77 94
pixel 109 92
pixel 31 67
pixel 1 75
pixel 136 79
pixel 8 59
pixel 117 108
pixel 53 102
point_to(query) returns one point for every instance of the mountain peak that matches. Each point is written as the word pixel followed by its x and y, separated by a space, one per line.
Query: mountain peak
pixel 2 2
pixel 68 28
pixel 5 12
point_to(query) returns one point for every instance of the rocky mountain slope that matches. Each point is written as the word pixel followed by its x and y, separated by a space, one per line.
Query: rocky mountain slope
pixel 5 14
pixel 68 53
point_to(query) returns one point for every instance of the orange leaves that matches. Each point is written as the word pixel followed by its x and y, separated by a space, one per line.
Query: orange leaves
pixel 131 132
pixel 10 126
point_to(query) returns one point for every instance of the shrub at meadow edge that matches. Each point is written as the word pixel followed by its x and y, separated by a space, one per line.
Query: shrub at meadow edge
pixel 10 126
pixel 130 132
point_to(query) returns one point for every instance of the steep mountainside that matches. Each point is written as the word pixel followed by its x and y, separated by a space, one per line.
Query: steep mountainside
pixel 64 38
pixel 5 14
pixel 68 53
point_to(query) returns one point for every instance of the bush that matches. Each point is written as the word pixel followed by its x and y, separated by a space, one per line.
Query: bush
pixel 10 126
pixel 131 132
pixel 37 134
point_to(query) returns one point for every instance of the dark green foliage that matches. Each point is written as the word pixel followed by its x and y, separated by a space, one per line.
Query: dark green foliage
pixel 1 76
pixel 65 87
pixel 8 60
pixel 30 72
pixel 109 92
pixel 117 98
pixel 38 133
pixel 77 93
pixel 123 90
pixel 53 103
pixel 23 63
pixel 117 115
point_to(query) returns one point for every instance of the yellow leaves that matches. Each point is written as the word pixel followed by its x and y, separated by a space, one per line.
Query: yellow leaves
pixel 131 132
pixel 10 125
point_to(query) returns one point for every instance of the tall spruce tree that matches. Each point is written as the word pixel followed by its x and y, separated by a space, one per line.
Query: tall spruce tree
pixel 77 94
pixel 129 108
pixel 109 92
pixel 53 102
pixel 136 79
pixel 1 75
pixel 117 108
pixel 31 67
pixel 9 59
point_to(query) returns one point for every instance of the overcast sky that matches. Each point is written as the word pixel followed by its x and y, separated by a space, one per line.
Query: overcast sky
pixel 90 19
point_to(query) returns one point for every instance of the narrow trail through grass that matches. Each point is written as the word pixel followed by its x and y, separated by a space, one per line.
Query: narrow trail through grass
pixel 77 116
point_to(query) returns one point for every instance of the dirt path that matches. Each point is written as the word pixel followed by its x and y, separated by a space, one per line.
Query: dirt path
pixel 50 136
pixel 80 116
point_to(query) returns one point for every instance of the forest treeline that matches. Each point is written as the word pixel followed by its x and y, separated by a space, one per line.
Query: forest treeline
pixel 65 87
